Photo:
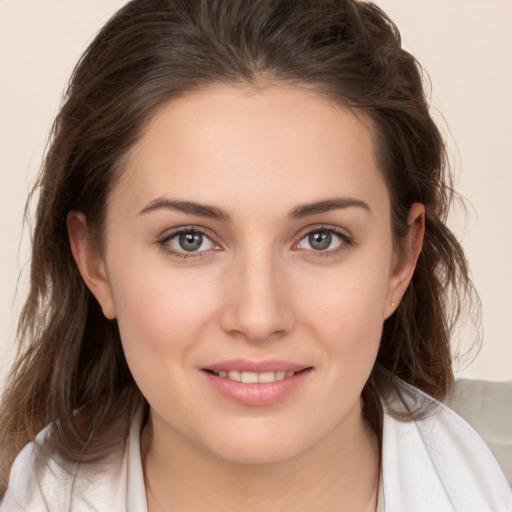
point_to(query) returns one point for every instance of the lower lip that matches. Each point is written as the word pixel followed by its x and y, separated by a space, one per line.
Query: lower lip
pixel 257 394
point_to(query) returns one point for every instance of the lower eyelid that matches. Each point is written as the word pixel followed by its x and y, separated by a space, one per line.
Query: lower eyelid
pixel 164 243
pixel 345 240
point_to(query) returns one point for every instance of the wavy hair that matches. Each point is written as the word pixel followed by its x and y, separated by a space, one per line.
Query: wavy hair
pixel 71 366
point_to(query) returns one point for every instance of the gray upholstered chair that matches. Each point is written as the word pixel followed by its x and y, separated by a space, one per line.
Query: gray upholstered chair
pixel 487 407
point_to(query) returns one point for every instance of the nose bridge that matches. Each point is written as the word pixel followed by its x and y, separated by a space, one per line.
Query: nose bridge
pixel 258 306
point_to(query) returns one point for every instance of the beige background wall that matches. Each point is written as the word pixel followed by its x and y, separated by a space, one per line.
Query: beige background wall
pixel 466 46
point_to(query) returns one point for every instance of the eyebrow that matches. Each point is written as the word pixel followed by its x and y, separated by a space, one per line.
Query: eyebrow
pixel 328 205
pixel 213 212
pixel 202 210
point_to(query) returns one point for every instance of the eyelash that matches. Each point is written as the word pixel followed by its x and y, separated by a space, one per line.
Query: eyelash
pixel 165 246
pixel 346 241
pixel 163 243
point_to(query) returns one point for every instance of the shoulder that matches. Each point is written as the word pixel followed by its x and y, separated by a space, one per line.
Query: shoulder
pixel 438 462
pixel 39 482
pixel 33 479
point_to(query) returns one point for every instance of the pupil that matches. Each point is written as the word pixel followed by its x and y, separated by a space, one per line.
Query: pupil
pixel 320 240
pixel 190 241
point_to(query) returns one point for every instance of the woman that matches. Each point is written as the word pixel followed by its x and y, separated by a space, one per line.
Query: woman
pixel 241 275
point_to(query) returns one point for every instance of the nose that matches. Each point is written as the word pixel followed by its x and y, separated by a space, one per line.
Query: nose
pixel 257 305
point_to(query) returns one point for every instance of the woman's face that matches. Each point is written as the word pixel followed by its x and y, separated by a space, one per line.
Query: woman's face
pixel 249 263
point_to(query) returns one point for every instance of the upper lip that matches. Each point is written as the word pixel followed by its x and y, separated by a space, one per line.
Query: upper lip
pixel 246 365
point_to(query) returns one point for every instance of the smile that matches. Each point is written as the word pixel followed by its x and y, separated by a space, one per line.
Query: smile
pixel 256 383
pixel 254 377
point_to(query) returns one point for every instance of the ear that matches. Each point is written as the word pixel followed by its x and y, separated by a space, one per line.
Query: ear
pixel 404 261
pixel 90 262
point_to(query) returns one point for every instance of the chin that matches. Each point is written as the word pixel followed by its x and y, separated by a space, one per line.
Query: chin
pixel 257 453
pixel 258 446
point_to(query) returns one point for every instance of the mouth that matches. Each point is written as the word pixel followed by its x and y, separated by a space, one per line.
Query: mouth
pixel 255 377
pixel 256 383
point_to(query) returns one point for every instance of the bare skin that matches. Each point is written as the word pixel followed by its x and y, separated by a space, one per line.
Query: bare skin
pixel 254 226
pixel 299 483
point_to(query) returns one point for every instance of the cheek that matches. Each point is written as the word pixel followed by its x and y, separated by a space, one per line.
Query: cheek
pixel 348 299
pixel 160 313
pixel 347 313
pixel 161 321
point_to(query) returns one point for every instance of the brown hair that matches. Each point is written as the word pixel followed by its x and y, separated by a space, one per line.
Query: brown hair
pixel 71 367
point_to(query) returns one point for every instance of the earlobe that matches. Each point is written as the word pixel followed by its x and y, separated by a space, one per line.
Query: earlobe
pixel 90 262
pixel 405 260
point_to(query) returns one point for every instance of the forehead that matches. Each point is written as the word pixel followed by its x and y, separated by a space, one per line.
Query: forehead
pixel 279 144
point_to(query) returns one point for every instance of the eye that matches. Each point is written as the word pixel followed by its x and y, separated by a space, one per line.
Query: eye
pixel 323 240
pixel 188 241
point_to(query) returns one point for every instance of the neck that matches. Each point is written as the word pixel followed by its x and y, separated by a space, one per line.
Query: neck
pixel 339 473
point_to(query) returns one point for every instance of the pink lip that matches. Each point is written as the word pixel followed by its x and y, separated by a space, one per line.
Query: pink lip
pixel 246 365
pixel 256 394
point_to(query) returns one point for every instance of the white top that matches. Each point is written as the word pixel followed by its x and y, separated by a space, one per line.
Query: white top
pixel 437 464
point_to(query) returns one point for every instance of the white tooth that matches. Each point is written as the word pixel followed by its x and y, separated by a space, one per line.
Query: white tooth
pixel 223 374
pixel 267 377
pixel 289 374
pixel 280 375
pixel 234 375
pixel 249 377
